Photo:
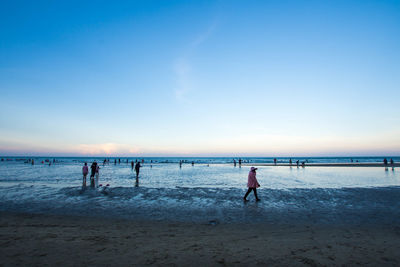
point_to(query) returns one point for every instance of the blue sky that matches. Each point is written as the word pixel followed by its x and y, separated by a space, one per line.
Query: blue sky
pixel 262 78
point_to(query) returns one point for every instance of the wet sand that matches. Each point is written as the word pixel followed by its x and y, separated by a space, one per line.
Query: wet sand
pixel 37 240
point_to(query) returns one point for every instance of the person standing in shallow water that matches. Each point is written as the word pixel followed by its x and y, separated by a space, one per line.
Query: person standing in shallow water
pixel 252 184
pixel 137 169
pixel 93 168
pixel 85 171
pixel 96 184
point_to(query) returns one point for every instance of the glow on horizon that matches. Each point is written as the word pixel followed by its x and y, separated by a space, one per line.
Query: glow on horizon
pixel 262 78
pixel 240 146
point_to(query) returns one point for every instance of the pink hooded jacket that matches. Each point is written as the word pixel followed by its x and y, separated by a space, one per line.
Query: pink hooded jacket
pixel 252 180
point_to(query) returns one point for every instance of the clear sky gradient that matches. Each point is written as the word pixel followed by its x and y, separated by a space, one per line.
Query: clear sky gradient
pixel 226 78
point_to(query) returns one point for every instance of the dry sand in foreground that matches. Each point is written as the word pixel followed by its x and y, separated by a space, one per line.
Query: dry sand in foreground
pixel 37 240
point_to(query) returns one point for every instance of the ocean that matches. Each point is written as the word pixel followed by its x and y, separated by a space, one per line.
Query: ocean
pixel 211 191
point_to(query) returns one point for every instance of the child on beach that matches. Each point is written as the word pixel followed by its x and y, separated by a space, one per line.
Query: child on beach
pixel 85 171
pixel 252 184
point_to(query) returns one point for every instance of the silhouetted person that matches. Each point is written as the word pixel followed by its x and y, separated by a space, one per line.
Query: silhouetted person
pixel 132 164
pixel 290 162
pixel 252 184
pixel 96 184
pixel 137 169
pixel 85 171
pixel 180 164
pixel 192 163
pixel 93 168
pixel 115 161
pixel 303 164
pixel 275 161
pixel 240 163
pixel 385 161
pixel 119 161
pixel 391 162
pixel 234 162
pixel 297 163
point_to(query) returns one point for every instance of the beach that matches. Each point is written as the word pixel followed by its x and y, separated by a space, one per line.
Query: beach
pixel 200 133
pixel 37 240
pixel 195 215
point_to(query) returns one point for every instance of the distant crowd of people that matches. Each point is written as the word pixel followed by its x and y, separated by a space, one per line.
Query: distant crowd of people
pixel 95 171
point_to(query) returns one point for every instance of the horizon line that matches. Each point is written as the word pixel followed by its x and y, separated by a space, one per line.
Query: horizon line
pixel 178 156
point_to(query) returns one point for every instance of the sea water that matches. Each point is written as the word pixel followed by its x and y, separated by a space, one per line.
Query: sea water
pixel 210 191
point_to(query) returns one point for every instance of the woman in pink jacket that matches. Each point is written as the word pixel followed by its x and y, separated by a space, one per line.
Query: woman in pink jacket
pixel 252 184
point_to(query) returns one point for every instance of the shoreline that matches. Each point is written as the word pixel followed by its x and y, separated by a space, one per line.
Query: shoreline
pixel 34 239
pixel 354 164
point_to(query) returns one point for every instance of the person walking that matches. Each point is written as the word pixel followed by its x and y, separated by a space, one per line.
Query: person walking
pixel 252 184
pixel 137 169
pixel 85 171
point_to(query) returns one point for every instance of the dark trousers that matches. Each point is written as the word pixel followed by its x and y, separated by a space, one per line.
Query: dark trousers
pixel 248 192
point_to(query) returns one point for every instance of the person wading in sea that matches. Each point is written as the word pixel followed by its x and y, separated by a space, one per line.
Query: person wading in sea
pixel 93 168
pixel 85 171
pixel 137 169
pixel 252 184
